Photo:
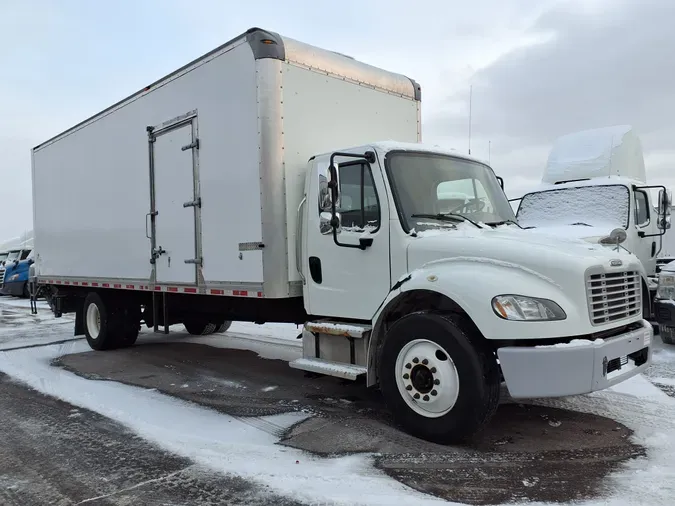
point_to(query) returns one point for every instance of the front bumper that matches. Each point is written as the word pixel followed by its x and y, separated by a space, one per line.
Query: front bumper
pixel 579 367
pixel 14 288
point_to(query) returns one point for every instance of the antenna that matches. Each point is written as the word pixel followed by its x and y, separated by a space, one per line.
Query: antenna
pixel 470 98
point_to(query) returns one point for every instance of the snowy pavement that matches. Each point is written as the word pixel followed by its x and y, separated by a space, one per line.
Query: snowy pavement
pixel 186 420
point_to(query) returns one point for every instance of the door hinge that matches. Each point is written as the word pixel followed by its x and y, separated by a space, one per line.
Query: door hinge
pixel 197 261
pixel 194 203
pixel 192 145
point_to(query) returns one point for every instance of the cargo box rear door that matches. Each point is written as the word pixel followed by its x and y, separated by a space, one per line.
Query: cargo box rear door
pixel 175 194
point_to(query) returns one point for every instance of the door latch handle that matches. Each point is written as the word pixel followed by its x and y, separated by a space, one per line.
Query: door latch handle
pixel 154 213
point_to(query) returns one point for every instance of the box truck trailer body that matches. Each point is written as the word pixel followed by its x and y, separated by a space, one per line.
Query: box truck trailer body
pixel 258 108
pixel 257 183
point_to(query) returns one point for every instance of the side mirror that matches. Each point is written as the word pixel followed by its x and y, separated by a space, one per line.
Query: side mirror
pixel 326 223
pixel 501 181
pixel 665 201
pixel 31 261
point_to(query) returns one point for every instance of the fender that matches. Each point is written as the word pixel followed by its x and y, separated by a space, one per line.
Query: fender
pixel 467 285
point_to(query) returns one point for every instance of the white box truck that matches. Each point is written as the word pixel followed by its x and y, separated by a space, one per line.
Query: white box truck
pixel 595 183
pixel 250 185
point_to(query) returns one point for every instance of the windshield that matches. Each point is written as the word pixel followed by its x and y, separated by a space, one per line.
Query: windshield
pixel 431 184
pixel 13 255
pixel 594 206
pixel 3 256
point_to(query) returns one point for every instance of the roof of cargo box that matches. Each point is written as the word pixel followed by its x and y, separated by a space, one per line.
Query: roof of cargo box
pixel 266 44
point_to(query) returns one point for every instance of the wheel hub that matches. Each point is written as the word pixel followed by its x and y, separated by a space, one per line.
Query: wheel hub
pixel 422 379
pixel 427 378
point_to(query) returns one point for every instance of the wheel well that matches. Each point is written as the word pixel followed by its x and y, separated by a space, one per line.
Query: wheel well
pixel 404 304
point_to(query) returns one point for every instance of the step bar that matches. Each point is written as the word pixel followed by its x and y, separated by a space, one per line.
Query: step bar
pixel 336 369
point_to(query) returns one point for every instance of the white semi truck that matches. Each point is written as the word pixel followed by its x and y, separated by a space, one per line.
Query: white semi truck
pixel 595 182
pixel 250 185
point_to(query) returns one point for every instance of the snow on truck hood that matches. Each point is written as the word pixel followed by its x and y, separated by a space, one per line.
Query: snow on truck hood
pixel 540 251
pixel 589 234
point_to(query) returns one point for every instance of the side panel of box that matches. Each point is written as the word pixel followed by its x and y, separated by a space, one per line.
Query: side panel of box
pixel 92 191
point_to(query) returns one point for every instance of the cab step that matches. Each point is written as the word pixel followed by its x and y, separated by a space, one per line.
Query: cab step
pixel 355 330
pixel 336 369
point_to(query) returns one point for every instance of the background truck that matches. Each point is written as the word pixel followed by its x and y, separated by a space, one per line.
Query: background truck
pixel 250 185
pixel 595 182
pixel 14 272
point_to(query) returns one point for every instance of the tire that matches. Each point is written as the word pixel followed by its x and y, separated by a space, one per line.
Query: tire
pixel 457 356
pixel 107 327
pixel 199 328
pixel 667 337
pixel 223 327
pixel 25 292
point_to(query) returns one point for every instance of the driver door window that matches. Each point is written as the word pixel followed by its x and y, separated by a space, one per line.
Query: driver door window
pixel 358 205
pixel 641 209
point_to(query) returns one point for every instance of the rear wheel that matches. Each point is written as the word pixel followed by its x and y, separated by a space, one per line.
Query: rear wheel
pixel 222 327
pixel 108 325
pixel 438 377
pixel 199 328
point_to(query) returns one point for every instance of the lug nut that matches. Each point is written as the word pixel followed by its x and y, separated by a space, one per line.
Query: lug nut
pixel 406 376
pixel 408 366
pixel 434 392
pixel 416 360
pixel 433 370
pixel 416 396
pixel 409 387
pixel 437 382
pixel 425 361
pixel 425 398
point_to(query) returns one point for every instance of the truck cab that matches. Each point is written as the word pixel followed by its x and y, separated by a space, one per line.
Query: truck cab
pixel 14 275
pixel 426 293
pixel 594 188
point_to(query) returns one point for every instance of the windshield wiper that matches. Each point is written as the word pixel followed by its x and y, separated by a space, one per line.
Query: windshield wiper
pixel 446 217
pixel 503 222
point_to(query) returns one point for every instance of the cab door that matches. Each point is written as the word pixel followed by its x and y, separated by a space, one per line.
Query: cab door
pixel 347 272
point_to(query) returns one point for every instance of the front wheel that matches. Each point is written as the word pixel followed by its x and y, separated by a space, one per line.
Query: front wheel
pixel 438 377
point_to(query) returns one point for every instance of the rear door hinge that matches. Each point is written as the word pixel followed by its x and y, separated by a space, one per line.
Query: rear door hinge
pixel 194 203
pixel 197 261
pixel 192 145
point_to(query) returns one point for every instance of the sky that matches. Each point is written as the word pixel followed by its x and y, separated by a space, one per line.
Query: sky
pixel 537 69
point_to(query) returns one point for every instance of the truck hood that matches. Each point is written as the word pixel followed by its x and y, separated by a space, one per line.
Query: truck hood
pixel 545 253
pixel 591 234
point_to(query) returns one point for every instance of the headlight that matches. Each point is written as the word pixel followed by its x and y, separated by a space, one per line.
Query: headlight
pixel 666 289
pixel 521 308
pixel 13 277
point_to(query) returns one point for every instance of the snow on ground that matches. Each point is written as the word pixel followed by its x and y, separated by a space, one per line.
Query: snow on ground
pixel 231 446
pixel 213 439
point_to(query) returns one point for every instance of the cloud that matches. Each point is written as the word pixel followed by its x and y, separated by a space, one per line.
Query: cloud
pixel 586 68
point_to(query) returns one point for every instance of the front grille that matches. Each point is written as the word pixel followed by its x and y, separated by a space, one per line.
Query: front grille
pixel 614 296
pixel 2 275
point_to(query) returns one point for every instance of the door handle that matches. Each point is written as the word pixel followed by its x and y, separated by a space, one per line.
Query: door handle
pixel 152 213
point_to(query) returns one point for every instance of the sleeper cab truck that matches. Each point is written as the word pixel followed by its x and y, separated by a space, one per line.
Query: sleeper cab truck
pixel 249 185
